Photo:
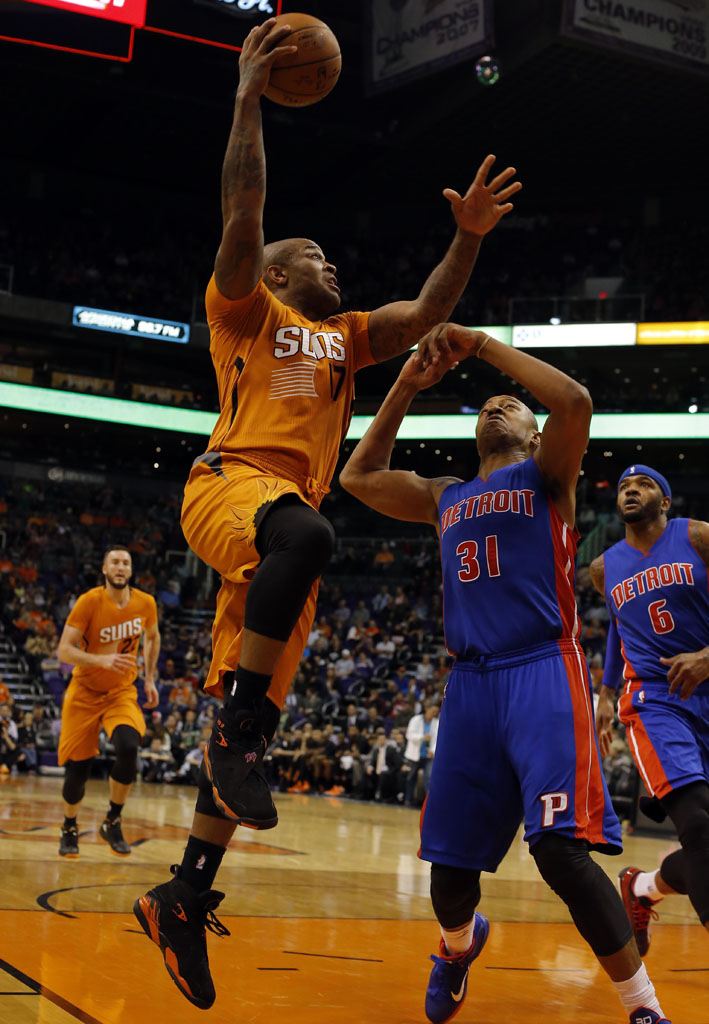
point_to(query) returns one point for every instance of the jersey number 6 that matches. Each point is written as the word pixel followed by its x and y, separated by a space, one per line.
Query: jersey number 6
pixel 468 554
pixel 662 621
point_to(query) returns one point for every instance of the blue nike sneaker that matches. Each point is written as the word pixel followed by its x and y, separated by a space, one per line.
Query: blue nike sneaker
pixel 448 983
pixel 645 1016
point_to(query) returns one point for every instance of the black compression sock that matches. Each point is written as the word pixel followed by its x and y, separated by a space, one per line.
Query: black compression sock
pixel 114 810
pixel 200 863
pixel 249 688
pixel 69 823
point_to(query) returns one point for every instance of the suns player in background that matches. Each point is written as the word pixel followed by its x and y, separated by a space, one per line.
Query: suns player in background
pixel 101 639
pixel 516 739
pixel 285 362
pixel 656 587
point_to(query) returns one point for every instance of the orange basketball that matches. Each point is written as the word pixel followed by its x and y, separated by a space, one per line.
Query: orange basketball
pixel 301 78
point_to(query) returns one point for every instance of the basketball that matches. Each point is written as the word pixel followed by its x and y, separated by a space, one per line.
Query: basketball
pixel 301 78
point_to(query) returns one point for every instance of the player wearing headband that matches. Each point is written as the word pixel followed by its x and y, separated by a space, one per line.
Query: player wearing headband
pixel 656 587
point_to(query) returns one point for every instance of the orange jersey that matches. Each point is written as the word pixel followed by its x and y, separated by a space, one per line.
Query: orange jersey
pixel 286 384
pixel 105 629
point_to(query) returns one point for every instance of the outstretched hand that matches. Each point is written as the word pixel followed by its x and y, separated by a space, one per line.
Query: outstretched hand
pixel 258 54
pixel 447 344
pixel 482 206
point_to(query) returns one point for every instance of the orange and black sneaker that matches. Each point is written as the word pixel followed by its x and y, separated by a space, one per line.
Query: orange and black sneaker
pixel 112 833
pixel 233 763
pixel 69 842
pixel 177 918
pixel 638 908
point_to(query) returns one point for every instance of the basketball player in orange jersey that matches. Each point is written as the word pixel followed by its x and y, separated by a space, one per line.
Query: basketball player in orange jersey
pixel 101 639
pixel 285 362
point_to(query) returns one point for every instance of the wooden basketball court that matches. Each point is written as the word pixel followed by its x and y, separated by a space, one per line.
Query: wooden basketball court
pixel 329 916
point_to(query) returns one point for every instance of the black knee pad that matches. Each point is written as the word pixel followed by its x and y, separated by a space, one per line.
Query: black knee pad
pixel 75 775
pixel 293 528
pixel 455 893
pixel 592 899
pixel 295 544
pixel 126 741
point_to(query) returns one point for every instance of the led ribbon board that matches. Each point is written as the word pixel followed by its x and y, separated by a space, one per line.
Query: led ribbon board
pixel 604 426
pixel 132 324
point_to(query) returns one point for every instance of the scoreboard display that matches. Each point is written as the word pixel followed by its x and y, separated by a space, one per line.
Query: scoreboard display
pixel 108 28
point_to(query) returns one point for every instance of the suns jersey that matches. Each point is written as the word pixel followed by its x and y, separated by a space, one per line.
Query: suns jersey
pixel 286 384
pixel 660 602
pixel 509 563
pixel 106 628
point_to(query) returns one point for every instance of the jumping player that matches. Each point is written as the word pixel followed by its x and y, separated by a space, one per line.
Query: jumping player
pixel 285 363
pixel 516 739
pixel 100 639
pixel 656 586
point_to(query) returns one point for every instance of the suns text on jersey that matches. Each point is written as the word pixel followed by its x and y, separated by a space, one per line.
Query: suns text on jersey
pixel 519 501
pixel 652 579
pixel 289 341
pixel 131 627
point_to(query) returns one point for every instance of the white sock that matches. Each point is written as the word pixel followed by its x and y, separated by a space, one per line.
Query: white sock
pixel 638 991
pixel 458 940
pixel 645 884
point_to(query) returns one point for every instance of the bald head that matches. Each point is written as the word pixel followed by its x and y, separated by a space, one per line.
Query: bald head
pixel 282 254
pixel 296 271
pixel 504 423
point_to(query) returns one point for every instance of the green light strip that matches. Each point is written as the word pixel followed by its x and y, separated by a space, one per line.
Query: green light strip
pixel 604 426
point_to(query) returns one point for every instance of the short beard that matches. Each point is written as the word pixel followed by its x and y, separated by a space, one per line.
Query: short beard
pixel 117 586
pixel 652 509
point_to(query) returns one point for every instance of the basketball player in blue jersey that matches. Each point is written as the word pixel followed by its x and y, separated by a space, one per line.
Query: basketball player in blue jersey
pixel 656 587
pixel 516 739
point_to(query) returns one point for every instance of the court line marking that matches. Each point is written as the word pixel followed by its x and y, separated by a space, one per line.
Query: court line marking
pixel 332 956
pixel 53 997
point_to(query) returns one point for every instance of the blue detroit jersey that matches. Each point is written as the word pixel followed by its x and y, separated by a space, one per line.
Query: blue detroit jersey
pixel 509 563
pixel 660 601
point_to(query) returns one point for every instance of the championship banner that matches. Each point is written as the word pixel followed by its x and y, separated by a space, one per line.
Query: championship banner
pixel 675 31
pixel 412 38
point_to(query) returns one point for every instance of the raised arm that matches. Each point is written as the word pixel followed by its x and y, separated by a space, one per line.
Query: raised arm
pixel 394 328
pixel 237 267
pixel 565 435
pixel 395 492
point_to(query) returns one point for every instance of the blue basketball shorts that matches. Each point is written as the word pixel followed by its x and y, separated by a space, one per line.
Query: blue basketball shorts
pixel 516 742
pixel 668 737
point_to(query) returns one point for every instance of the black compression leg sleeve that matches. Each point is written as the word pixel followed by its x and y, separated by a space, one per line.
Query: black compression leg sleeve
pixel 675 871
pixel 75 775
pixel 688 807
pixel 592 899
pixel 126 741
pixel 455 893
pixel 295 544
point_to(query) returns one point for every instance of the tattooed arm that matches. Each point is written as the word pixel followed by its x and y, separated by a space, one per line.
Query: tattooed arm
pixel 394 328
pixel 237 267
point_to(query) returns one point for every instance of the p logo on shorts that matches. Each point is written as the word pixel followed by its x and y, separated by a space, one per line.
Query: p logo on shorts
pixel 553 803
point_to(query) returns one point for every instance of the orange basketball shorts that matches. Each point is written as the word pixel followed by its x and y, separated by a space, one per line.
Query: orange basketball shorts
pixel 223 506
pixel 85 711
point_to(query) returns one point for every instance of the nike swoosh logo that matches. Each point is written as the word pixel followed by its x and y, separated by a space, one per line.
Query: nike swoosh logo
pixel 457 996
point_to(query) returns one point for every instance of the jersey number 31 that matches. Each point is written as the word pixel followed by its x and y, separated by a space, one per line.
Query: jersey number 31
pixel 468 554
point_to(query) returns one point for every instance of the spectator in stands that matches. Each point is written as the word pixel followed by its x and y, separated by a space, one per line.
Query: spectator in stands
pixel 8 740
pixel 382 768
pixel 421 734
pixel 384 558
pixel 5 695
pixel 344 666
pixel 27 745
